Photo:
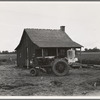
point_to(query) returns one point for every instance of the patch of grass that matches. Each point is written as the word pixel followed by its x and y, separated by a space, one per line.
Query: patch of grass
pixel 7 59
pixel 91 84
pixel 9 87
pixel 90 58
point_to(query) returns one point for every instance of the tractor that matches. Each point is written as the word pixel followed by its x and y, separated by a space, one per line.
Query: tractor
pixel 59 65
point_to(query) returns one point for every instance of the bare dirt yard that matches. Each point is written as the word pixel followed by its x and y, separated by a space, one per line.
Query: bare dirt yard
pixel 16 81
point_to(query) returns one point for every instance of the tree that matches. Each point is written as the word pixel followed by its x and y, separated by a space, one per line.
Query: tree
pixel 95 49
pixel 5 52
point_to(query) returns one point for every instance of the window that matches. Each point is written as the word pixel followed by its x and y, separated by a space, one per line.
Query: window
pixel 38 52
pixel 62 52
pixel 49 52
pixel 46 52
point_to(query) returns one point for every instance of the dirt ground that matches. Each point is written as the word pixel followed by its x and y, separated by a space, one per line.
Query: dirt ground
pixel 18 82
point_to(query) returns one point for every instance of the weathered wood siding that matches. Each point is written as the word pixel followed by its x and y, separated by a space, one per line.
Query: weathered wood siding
pixel 25 50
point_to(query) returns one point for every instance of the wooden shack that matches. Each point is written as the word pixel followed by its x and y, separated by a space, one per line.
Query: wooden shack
pixel 40 42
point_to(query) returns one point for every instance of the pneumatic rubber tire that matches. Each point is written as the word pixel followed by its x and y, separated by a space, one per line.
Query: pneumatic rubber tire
pixel 60 67
pixel 34 72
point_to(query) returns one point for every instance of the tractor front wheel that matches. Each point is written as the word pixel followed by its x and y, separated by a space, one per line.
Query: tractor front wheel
pixel 34 72
pixel 60 67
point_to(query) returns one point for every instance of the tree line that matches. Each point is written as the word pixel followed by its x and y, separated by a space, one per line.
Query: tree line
pixel 92 50
pixel 7 52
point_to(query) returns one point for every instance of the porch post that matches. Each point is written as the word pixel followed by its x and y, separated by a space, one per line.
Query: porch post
pixel 42 52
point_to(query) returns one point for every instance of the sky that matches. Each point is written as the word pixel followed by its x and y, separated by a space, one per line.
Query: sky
pixel 81 20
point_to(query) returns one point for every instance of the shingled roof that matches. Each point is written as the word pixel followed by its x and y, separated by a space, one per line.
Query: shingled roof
pixel 47 38
pixel 51 38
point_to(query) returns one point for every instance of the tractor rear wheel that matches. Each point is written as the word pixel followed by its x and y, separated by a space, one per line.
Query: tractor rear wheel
pixel 60 67
pixel 34 72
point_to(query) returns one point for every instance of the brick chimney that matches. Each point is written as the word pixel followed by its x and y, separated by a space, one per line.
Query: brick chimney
pixel 62 28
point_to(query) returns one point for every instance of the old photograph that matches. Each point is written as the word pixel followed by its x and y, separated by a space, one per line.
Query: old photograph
pixel 50 48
